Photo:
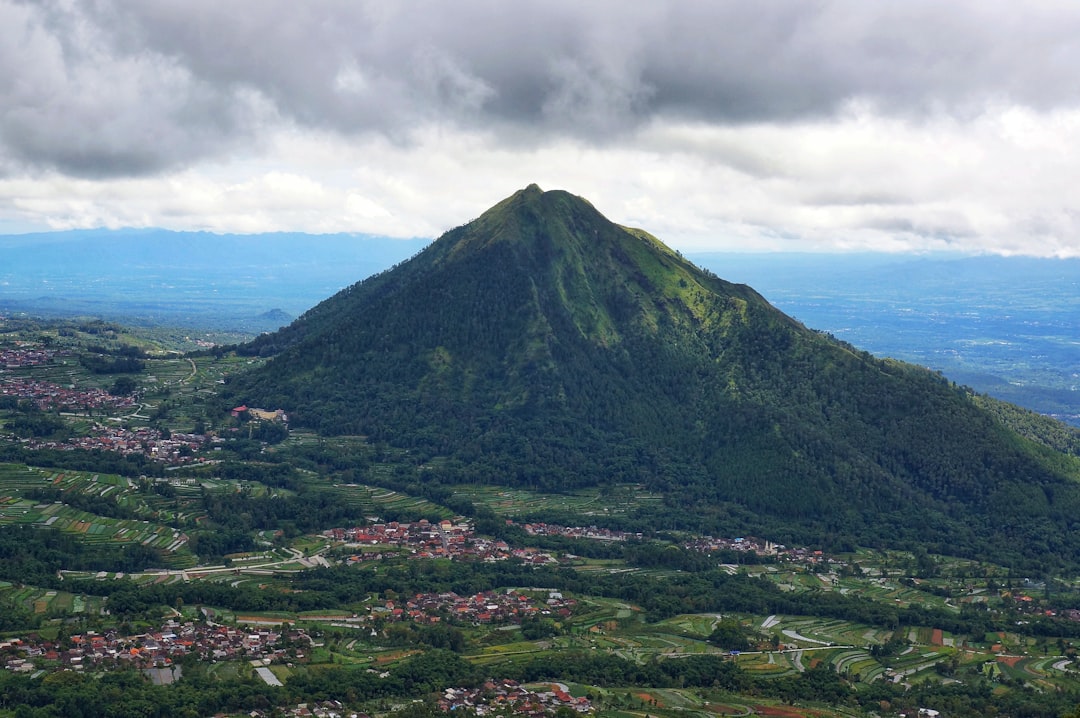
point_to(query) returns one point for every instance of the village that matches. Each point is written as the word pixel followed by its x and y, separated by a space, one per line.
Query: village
pixel 502 694
pixel 172 448
pixel 507 606
pixel 425 539
pixel 158 649
pixel 703 544
pixel 756 546
pixel 47 395
pixel 263 640
pixel 588 532
pixel 26 355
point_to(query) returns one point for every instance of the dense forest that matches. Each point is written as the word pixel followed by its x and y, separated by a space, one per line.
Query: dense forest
pixel 542 346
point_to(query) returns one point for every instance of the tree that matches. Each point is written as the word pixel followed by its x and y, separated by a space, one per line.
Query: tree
pixel 730 636
pixel 123 386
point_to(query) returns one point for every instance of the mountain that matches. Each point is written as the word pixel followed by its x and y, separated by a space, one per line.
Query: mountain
pixel 277 316
pixel 543 346
pixel 1003 325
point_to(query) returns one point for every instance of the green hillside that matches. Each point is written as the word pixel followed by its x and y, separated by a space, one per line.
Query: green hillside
pixel 543 346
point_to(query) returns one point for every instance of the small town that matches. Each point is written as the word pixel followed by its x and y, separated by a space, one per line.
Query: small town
pixel 496 695
pixel 588 532
pixel 485 607
pixel 24 355
pixel 157 649
pixel 172 448
pixel 756 546
pixel 433 540
pixel 47 395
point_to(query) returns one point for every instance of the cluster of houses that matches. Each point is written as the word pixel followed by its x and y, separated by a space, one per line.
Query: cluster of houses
pixel 588 532
pixel 53 396
pixel 760 547
pixel 321 709
pixel 425 539
pixel 24 355
pixel 501 695
pixel 263 414
pixel 175 449
pixel 705 544
pixel 156 649
pixel 486 607
pixel 422 533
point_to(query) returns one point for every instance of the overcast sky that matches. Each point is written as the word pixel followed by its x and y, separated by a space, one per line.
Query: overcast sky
pixel 912 125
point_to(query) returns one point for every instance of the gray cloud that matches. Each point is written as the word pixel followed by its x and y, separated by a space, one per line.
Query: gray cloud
pixel 113 88
pixel 73 101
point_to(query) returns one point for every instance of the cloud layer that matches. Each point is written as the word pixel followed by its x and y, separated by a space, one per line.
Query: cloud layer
pixel 901 126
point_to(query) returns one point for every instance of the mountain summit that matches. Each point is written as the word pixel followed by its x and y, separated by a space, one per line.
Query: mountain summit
pixel 542 345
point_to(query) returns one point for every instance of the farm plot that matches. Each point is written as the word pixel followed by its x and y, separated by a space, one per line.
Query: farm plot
pixel 65 371
pixel 17 479
pixel 857 662
pixel 92 528
pixel 45 601
pixel 508 653
pixel 586 503
pixel 846 645
pixel 187 508
pixel 804 632
pixel 375 500
pixel 771 664
pixel 914 663
pixel 696 624
pixel 1047 673
pixel 98 529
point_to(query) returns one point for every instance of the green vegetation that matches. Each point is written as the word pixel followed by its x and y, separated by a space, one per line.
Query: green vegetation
pixel 543 348
pixel 537 365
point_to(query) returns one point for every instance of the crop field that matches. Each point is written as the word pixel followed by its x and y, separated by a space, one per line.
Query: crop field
pixel 193 487
pixel 117 489
pixel 697 624
pixel 586 503
pixel 771 664
pixel 890 590
pixel 51 602
pixel 65 371
pixel 107 509
pixel 129 495
pixel 178 388
pixel 642 702
pixel 885 590
pixel 374 499
pixel 16 480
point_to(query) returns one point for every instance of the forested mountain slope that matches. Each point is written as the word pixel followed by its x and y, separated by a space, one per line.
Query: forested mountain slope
pixel 542 345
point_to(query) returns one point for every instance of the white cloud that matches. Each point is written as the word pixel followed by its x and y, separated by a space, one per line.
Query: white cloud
pixel 841 124
pixel 1001 182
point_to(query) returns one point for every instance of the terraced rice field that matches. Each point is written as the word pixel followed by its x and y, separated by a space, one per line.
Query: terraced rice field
pixel 16 480
pixel 768 664
pixel 374 499
pixel 518 502
pixel 43 601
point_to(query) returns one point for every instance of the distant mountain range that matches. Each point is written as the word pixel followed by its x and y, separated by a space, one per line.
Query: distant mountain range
pixel 543 346
pixel 250 283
